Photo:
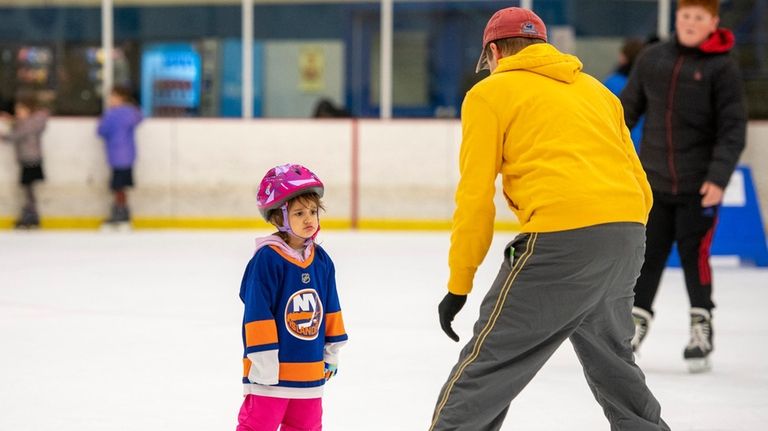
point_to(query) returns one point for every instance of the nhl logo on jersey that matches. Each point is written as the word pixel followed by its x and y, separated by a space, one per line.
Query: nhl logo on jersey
pixel 303 314
pixel 305 277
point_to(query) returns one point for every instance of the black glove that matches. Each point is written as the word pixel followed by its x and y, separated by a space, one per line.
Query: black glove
pixel 449 306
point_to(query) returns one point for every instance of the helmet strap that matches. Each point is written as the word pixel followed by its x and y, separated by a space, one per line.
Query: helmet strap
pixel 314 235
pixel 286 227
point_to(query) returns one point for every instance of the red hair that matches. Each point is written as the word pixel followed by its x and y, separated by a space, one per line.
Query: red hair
pixel 712 6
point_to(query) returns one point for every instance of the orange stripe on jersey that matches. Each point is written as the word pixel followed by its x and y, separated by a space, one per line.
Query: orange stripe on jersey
pixel 334 324
pixel 260 332
pixel 301 315
pixel 302 371
pixel 293 260
pixel 246 367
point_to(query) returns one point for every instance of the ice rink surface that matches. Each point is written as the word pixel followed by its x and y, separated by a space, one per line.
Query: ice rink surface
pixel 141 331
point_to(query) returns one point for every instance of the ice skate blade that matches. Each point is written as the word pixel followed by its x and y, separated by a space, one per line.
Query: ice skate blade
pixel 698 365
pixel 116 227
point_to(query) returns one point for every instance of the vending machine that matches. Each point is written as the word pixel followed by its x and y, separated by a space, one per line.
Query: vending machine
pixel 170 80
pixel 26 68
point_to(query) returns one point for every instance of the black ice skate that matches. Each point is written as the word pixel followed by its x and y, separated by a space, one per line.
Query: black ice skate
pixel 28 220
pixel 642 321
pixel 119 219
pixel 697 352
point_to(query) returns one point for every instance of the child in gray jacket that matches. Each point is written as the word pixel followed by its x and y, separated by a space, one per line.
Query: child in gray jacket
pixel 26 131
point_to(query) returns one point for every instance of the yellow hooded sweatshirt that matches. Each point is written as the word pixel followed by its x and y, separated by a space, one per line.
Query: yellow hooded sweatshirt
pixel 558 138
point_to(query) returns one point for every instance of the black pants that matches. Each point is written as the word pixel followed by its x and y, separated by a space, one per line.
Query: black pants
pixel 678 219
pixel 121 179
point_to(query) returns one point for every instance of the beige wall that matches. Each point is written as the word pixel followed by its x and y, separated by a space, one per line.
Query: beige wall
pixel 756 157
pixel 210 168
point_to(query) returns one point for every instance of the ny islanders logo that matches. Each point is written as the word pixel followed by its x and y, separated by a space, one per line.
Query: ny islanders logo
pixel 303 314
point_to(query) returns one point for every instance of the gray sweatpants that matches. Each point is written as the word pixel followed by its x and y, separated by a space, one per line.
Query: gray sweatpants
pixel 576 285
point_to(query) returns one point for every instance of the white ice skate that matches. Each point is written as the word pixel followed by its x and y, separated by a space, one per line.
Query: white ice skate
pixel 699 347
pixel 642 321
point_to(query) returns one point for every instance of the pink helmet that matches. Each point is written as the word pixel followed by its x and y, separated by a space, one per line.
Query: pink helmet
pixel 284 182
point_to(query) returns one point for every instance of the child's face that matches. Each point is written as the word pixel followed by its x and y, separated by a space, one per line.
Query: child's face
pixel 303 218
pixel 114 100
pixel 693 25
pixel 22 111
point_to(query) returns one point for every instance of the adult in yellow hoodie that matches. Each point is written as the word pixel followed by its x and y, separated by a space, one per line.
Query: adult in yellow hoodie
pixel 571 176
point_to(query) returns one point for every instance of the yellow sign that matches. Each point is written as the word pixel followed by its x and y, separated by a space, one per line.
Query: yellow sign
pixel 311 69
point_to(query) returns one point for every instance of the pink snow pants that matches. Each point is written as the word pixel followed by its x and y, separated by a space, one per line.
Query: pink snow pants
pixel 260 413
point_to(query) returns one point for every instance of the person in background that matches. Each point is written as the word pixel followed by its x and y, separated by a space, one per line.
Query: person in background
pixel 571 176
pixel 617 80
pixel 690 90
pixel 292 323
pixel 28 124
pixel 117 127
pixel 325 108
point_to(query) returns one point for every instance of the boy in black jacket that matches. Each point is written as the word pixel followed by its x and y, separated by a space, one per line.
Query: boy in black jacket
pixel 690 90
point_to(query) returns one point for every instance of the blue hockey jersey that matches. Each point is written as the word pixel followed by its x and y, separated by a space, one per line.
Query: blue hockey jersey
pixel 292 323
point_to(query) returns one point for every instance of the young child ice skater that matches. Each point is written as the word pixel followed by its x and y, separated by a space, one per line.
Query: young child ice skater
pixel 292 326
pixel 117 127
pixel 29 122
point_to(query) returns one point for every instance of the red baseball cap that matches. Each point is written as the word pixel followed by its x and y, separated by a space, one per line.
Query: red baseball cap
pixel 511 22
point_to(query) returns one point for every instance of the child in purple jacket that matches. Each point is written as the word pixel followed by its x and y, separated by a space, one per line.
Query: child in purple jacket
pixel 117 127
